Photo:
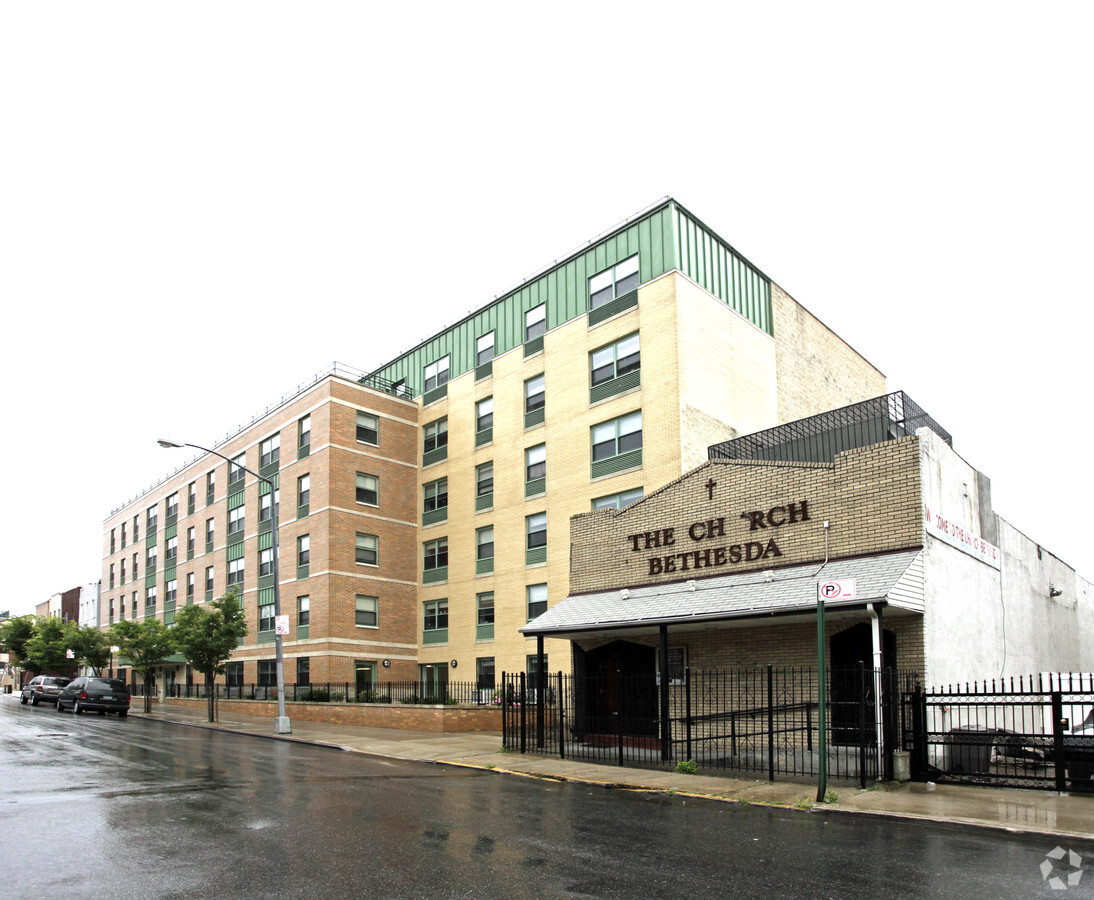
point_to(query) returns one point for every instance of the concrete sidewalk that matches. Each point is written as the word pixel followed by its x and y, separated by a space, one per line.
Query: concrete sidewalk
pixel 1035 812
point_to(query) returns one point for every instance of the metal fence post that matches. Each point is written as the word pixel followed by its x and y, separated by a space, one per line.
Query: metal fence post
pixel 770 724
pixel 862 739
pixel 523 703
pixel 687 709
pixel 1058 753
pixel 561 716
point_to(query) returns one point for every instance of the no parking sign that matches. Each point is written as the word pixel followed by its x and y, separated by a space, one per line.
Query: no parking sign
pixel 838 589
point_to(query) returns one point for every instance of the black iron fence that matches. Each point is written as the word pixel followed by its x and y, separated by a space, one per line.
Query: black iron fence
pixel 1031 732
pixel 762 721
pixel 454 693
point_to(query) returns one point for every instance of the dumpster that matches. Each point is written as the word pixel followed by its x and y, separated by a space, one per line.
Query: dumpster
pixel 967 750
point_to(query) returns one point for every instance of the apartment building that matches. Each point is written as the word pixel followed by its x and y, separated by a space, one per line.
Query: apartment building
pixel 426 508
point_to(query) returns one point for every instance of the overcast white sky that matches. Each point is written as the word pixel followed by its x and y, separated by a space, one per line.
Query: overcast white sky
pixel 202 204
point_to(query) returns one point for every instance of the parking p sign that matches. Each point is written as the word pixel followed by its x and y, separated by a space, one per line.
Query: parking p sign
pixel 841 589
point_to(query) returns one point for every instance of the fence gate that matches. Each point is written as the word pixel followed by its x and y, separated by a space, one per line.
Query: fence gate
pixel 1032 732
pixel 758 721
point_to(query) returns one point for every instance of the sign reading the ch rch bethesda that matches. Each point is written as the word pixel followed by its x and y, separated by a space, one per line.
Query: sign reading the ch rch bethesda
pixel 698 554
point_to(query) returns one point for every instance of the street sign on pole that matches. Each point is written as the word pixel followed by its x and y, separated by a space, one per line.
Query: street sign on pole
pixel 281 624
pixel 837 589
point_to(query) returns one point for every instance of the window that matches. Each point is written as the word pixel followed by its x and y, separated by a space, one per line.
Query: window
pixel 123 536
pixel 303 610
pixel 171 590
pixel 484 348
pixel 303 550
pixel 136 528
pixel 233 674
pixel 618 501
pixel 484 479
pixel 435 556
pixel 435 497
pixel 236 519
pixel 436 373
pixel 435 619
pixel 368 549
pixel 618 436
pixel 210 488
pixel 170 550
pixel 209 579
pixel 191 498
pixel 150 562
pixel 537 600
pixel 484 673
pixel 173 506
pixel 532 664
pixel 266 617
pixel 436 435
pixel 190 579
pixel 112 572
pixel 264 505
pixel 537 530
pixel 152 516
pixel 303 432
pixel 270 450
pixel 235 572
pixel 484 541
pixel 267 673
pixel 209 533
pixel 535 322
pixel 484 414
pixel 368 489
pixel 367 612
pixel 235 469
pixel 265 562
pixel 534 396
pixel 112 548
pixel 620 279
pixel 535 462
pixel 303 490
pixel 149 601
pixel 368 428
pixel 190 541
pixel 112 575
pixel 136 567
pixel 303 670
pixel 486 608
pixel 615 360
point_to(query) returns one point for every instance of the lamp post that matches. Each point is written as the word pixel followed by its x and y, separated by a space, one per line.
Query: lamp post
pixel 282 725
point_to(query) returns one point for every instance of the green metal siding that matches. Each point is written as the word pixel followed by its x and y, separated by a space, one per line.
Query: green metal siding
pixel 564 289
pixel 713 264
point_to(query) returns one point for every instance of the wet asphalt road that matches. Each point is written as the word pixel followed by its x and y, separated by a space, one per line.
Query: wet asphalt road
pixel 102 808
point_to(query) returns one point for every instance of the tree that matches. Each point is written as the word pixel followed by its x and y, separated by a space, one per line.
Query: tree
pixel 206 635
pixel 47 649
pixel 91 646
pixel 14 635
pixel 146 645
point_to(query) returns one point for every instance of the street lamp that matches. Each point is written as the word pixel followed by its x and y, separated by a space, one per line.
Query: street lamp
pixel 282 725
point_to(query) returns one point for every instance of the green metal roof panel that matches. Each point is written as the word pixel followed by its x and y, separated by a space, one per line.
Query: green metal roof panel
pixel 665 237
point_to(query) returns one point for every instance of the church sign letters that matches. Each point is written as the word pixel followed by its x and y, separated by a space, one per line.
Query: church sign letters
pixel 687 549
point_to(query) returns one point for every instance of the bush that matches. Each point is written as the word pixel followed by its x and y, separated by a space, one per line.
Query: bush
pixel 687 767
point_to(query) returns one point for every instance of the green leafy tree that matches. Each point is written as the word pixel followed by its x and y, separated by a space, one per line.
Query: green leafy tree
pixel 91 646
pixel 47 650
pixel 206 635
pixel 146 645
pixel 14 635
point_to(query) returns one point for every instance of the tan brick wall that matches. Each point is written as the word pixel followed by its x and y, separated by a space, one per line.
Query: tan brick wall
pixel 816 369
pixel 869 496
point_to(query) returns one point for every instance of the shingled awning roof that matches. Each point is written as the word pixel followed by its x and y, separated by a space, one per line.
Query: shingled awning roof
pixel 896 578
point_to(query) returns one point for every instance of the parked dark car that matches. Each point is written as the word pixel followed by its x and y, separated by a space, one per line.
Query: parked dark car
pixel 42 689
pixel 1079 747
pixel 93 694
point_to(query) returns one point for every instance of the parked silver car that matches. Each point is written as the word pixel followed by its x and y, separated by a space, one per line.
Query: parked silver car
pixel 42 689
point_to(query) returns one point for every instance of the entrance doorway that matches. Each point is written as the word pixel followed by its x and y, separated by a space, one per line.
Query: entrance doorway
pixel 853 690
pixel 433 682
pixel 620 695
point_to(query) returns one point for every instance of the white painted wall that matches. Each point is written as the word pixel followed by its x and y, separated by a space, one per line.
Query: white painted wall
pixel 983 623
pixel 89 604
